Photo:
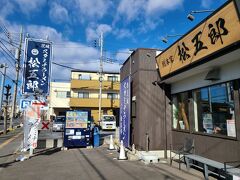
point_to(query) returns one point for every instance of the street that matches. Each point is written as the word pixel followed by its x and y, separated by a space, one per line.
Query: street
pixel 77 163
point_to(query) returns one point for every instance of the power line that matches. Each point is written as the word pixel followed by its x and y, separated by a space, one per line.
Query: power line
pixel 7 49
pixel 79 62
pixel 64 66
pixel 16 44
pixel 7 76
pixel 9 60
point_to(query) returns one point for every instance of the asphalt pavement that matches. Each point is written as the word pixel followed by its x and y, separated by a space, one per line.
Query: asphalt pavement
pixel 78 163
pixel 86 164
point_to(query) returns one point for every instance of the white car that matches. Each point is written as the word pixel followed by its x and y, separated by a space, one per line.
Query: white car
pixel 108 122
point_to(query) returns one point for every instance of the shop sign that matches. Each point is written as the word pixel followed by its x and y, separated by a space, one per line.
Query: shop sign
pixel 36 74
pixel 125 100
pixel 217 32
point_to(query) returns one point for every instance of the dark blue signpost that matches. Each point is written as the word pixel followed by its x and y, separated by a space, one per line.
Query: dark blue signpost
pixel 37 68
pixel 125 100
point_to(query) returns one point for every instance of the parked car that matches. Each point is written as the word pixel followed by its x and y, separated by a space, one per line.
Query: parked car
pixel 108 122
pixel 59 123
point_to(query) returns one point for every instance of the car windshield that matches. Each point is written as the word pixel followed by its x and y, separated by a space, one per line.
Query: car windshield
pixel 60 119
pixel 108 118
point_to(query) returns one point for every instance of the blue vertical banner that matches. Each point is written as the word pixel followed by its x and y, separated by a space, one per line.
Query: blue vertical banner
pixel 125 102
pixel 37 69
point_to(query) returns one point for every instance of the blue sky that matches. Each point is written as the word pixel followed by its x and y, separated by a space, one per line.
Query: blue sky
pixel 73 25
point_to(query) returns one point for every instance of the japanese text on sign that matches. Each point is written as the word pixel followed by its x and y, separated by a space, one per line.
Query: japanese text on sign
pixel 125 111
pixel 217 32
pixel 37 66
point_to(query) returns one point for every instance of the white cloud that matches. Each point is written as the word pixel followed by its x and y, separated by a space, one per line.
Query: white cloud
pixel 122 33
pixel 43 31
pixel 92 9
pixel 93 31
pixel 6 8
pixel 69 53
pixel 130 9
pixel 160 6
pixel 58 14
pixel 206 3
pixel 149 24
pixel 147 12
pixel 123 54
pixel 29 6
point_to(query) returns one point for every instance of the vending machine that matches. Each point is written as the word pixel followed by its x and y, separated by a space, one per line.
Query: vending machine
pixel 77 131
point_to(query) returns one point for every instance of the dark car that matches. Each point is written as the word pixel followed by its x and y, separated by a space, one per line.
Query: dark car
pixel 59 123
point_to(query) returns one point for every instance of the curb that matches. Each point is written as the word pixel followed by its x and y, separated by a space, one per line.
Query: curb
pixel 49 143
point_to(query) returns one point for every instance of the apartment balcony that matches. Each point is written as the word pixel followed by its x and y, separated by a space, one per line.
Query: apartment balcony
pixel 93 102
pixel 94 84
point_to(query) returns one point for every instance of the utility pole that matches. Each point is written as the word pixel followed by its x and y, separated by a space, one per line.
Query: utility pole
pixel 4 66
pixel 7 95
pixel 100 76
pixel 17 56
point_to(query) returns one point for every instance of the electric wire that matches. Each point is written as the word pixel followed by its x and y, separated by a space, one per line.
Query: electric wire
pixel 7 76
pixel 9 60
pixel 16 45
pixel 7 50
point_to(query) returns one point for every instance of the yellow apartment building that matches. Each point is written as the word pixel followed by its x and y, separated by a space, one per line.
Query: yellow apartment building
pixel 85 92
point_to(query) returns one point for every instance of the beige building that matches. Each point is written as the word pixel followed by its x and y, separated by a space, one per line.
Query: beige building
pixel 59 98
pixel 85 92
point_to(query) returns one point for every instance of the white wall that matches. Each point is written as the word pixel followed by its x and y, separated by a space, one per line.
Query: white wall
pixel 228 72
pixel 55 102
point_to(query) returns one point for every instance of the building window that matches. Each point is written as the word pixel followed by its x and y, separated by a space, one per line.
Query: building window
pixel 84 77
pixel 112 95
pixel 180 111
pixel 112 78
pixel 83 94
pixel 214 110
pixel 63 94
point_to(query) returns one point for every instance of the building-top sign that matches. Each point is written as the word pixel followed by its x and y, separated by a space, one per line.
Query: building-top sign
pixel 217 32
pixel 36 74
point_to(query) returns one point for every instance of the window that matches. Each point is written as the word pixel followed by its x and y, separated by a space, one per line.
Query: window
pixel 112 78
pixel 84 77
pixel 112 95
pixel 63 94
pixel 214 110
pixel 83 95
pixel 180 111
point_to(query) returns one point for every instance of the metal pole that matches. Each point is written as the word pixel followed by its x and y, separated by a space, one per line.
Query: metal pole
pixel 2 85
pixel 5 118
pixel 100 77
pixel 18 54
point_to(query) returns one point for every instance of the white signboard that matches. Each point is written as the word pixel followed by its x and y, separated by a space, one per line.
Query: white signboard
pixel 31 122
pixel 231 129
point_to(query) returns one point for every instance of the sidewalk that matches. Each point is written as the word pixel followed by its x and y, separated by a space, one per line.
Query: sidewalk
pixel 87 164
